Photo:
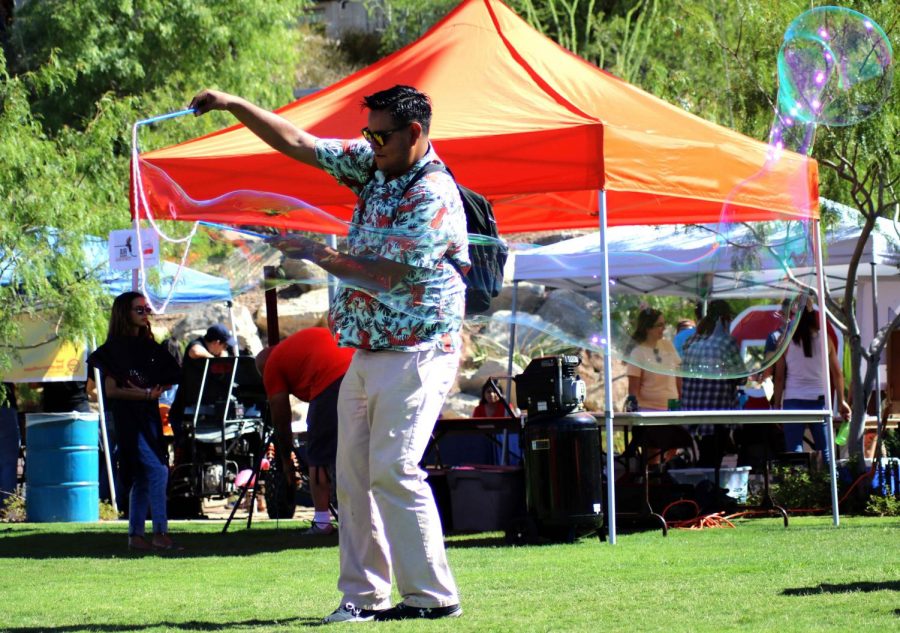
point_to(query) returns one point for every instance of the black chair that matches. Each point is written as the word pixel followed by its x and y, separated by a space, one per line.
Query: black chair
pixel 660 447
pixel 221 428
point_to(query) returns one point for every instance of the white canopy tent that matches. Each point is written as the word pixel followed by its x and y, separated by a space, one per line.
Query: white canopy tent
pixel 695 261
pixel 683 261
pixel 669 260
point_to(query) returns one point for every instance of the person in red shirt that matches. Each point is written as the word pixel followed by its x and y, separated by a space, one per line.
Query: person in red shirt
pixel 310 366
pixel 489 406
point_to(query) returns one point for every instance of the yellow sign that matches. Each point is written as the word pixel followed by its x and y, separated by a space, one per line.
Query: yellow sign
pixel 44 357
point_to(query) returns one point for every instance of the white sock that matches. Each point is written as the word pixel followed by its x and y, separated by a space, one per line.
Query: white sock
pixel 322 518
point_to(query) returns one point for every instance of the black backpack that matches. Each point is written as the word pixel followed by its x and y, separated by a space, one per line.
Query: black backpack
pixel 488 256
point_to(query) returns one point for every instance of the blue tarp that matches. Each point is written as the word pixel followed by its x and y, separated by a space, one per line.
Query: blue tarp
pixel 193 287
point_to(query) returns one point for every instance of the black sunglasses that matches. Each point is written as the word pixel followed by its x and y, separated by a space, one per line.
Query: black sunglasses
pixel 379 138
pixel 142 310
pixel 656 353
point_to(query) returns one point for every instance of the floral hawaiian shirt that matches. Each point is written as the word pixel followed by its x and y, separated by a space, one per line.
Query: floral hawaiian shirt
pixel 424 229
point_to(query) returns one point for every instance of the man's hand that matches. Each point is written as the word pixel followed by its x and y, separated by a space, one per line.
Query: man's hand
pixel 296 246
pixel 207 100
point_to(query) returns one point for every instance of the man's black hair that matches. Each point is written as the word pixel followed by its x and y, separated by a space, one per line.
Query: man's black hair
pixel 404 103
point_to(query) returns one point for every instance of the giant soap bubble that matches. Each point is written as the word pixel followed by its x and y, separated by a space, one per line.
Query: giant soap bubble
pixel 834 68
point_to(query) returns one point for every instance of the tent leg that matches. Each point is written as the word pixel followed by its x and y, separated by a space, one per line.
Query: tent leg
pixel 512 340
pixel 104 442
pixel 272 335
pixel 236 350
pixel 607 372
pixel 829 405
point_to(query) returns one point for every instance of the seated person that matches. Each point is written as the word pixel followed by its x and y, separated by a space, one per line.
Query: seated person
pixel 214 344
pixel 9 441
pixel 65 396
pixel 683 331
pixel 651 390
pixel 490 406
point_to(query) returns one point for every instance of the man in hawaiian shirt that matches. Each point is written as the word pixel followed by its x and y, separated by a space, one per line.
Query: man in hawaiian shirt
pixel 400 304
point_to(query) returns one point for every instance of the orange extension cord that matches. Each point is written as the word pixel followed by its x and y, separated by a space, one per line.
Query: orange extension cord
pixel 721 520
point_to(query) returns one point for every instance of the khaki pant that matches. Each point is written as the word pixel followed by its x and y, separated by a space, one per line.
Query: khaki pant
pixel 387 409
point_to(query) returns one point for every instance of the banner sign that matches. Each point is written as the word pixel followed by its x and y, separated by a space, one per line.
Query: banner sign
pixel 123 249
pixel 44 357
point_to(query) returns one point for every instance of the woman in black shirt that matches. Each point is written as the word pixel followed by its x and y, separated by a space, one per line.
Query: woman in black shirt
pixel 136 370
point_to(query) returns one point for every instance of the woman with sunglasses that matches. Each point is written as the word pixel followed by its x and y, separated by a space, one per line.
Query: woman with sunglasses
pixel 648 350
pixel 136 370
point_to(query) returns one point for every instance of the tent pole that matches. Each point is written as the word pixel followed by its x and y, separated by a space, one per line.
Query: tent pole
pixel 332 280
pixel 875 330
pixel 104 441
pixel 512 340
pixel 272 336
pixel 823 341
pixel 236 350
pixel 607 371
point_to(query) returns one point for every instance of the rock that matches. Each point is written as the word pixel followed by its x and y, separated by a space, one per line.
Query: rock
pixel 459 405
pixel 528 298
pixel 308 310
pixel 573 313
pixel 473 383
pixel 591 371
pixel 304 275
pixel 195 324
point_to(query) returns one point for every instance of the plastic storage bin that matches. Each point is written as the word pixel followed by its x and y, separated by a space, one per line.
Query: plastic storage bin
pixel 736 480
pixel 486 498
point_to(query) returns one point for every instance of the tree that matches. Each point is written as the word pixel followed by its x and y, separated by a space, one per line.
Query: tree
pixel 74 76
pixel 614 34
pixel 38 186
pixel 858 163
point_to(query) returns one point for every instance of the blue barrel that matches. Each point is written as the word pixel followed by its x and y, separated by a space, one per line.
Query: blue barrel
pixel 61 467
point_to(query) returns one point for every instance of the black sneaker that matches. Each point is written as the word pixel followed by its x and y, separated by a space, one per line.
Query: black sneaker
pixel 406 612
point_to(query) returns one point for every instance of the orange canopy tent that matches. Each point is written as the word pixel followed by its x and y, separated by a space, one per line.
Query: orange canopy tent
pixel 519 119
pixel 555 143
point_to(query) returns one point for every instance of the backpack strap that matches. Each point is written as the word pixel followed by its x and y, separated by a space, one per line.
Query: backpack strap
pixel 427 168
pixel 430 168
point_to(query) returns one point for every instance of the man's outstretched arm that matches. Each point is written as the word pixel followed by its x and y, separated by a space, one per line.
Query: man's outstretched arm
pixel 274 130
pixel 370 273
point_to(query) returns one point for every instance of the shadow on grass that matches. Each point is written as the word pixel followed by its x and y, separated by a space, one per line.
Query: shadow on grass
pixel 191 625
pixel 848 587
pixel 87 544
pixel 465 541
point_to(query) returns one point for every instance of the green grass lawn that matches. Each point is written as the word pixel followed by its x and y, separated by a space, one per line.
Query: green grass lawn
pixel 759 576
